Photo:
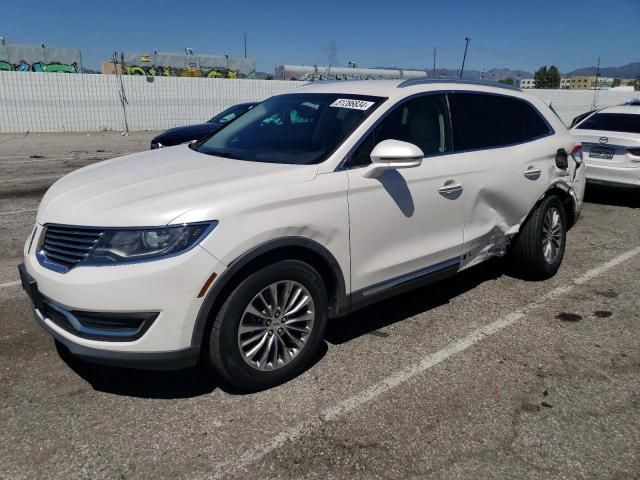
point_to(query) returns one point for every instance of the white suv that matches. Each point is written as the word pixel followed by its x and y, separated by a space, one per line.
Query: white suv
pixel 611 141
pixel 237 249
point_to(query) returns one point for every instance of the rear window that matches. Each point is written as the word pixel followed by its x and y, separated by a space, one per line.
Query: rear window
pixel 612 122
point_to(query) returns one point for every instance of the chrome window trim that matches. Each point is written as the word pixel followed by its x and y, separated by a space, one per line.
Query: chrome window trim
pixel 551 131
pixel 343 163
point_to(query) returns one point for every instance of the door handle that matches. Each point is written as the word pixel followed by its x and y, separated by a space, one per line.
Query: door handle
pixel 451 190
pixel 533 173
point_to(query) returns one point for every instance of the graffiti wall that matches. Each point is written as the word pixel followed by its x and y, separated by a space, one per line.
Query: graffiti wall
pixel 181 65
pixel 36 58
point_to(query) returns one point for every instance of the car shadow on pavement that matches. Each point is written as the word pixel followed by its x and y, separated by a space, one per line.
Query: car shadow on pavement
pixel 617 197
pixel 199 380
pixel 172 384
pixel 371 319
pixel 185 383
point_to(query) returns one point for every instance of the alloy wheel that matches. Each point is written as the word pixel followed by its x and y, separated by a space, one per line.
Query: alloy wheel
pixel 276 325
pixel 551 235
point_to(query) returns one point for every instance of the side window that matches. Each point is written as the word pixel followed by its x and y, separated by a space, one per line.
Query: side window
pixel 535 126
pixel 486 121
pixel 423 121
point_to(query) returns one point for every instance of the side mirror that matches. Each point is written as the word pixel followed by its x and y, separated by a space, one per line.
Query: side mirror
pixel 392 155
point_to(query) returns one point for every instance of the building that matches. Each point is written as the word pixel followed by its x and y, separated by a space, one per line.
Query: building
pixel 589 82
pixel 315 72
pixel 188 64
pixel 39 58
pixel 565 82
pixel 526 83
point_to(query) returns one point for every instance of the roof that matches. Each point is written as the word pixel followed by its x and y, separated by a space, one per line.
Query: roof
pixel 400 88
pixel 631 109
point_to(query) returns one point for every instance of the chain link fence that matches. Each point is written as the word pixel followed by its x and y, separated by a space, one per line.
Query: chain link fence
pixel 36 102
pixel 42 102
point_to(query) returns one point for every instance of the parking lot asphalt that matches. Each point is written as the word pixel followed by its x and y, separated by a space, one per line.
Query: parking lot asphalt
pixel 481 376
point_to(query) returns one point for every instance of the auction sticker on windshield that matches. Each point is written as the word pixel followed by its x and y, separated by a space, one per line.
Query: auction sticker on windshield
pixel 352 103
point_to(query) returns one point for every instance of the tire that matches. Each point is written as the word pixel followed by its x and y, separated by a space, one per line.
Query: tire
pixel 528 248
pixel 224 352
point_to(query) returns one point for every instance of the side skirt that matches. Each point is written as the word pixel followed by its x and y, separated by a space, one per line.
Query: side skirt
pixel 395 286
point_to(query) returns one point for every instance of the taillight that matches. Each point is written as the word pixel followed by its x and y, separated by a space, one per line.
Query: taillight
pixel 576 153
pixel 635 152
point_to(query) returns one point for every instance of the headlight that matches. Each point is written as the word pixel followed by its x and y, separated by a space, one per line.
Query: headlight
pixel 139 245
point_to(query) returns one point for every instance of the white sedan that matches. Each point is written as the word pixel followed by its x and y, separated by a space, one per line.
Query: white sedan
pixel 611 144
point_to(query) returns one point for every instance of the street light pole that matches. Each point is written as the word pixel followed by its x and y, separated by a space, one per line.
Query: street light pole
pixel 464 58
pixel 434 62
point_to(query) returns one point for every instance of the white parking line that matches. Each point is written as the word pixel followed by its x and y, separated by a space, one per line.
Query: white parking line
pixel 359 399
pixel 45 177
pixel 24 210
pixel 34 160
pixel 57 159
pixel 13 157
pixel 10 284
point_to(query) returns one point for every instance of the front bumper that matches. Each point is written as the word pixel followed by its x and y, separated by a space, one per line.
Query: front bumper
pixel 163 293
pixel 169 360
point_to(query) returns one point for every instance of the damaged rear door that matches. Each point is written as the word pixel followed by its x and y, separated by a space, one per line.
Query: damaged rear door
pixel 510 152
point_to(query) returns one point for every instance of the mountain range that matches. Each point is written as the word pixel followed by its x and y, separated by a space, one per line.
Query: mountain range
pixel 631 70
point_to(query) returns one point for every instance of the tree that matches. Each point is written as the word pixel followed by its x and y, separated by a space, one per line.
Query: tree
pixel 636 85
pixel 507 81
pixel 616 82
pixel 541 77
pixel 553 76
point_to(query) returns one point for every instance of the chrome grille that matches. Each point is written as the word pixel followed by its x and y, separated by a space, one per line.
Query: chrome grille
pixel 67 245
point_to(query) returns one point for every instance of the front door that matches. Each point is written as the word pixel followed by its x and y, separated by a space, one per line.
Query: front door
pixel 407 221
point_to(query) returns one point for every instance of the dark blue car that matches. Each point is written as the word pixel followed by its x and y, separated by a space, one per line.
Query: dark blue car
pixel 178 135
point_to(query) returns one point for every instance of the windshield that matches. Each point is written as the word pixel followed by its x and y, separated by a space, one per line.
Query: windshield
pixel 296 128
pixel 612 122
pixel 230 113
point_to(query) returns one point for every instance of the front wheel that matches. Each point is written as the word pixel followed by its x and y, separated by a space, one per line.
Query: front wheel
pixel 270 326
pixel 538 249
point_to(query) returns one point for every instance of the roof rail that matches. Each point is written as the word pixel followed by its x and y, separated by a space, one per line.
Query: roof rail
pixel 422 81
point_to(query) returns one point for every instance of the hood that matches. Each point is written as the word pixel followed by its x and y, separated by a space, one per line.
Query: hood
pixel 175 136
pixel 155 187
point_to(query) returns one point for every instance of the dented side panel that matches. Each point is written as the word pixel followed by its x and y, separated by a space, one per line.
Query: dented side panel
pixel 503 186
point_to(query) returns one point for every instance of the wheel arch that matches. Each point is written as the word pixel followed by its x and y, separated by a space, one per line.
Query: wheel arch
pixel 567 196
pixel 290 248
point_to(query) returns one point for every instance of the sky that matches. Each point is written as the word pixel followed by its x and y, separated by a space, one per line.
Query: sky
pixel 513 34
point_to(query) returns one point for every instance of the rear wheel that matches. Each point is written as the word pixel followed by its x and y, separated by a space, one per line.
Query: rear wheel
pixel 270 327
pixel 538 249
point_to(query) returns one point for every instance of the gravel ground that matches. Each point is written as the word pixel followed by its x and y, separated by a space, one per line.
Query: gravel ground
pixel 480 376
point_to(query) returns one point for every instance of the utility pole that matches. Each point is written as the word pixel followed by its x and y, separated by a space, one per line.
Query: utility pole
pixel 434 62
pixel 245 45
pixel 464 58
pixel 594 105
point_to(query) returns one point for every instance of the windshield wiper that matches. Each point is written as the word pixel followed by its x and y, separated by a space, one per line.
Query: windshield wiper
pixel 220 153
